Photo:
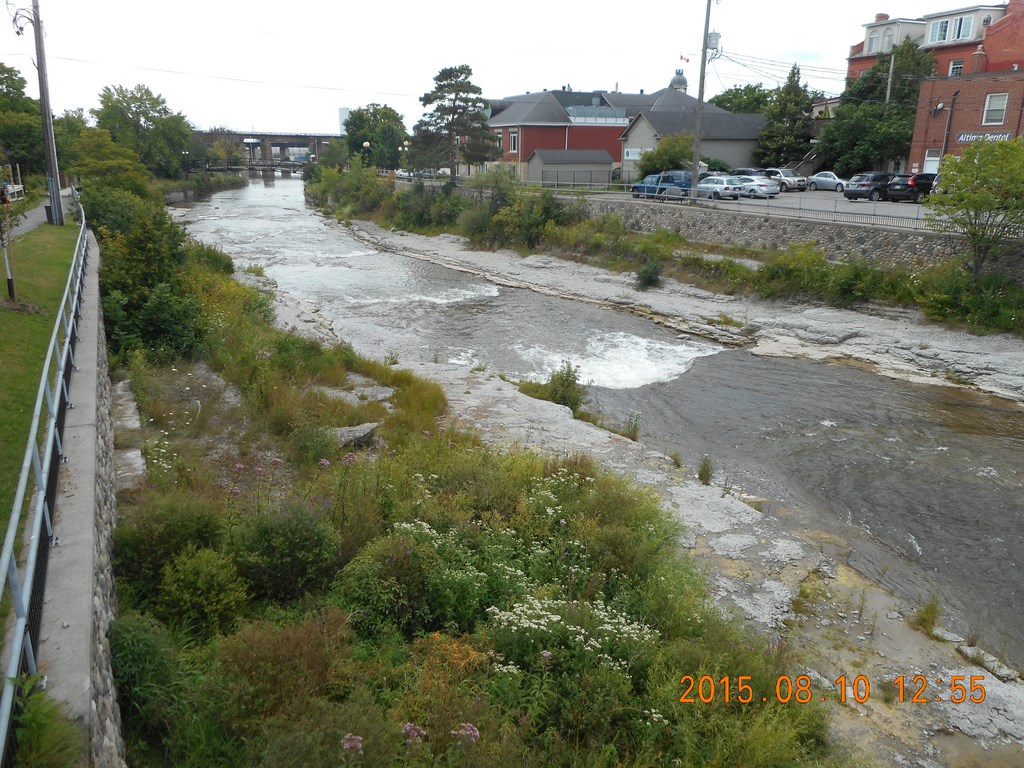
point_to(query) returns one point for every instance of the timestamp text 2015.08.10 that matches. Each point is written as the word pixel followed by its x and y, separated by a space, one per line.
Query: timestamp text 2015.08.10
pixel 918 689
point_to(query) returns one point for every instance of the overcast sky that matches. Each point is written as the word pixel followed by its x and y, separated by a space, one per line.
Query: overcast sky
pixel 288 66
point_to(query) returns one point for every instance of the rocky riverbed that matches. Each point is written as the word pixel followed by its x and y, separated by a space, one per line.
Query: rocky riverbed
pixel 787 577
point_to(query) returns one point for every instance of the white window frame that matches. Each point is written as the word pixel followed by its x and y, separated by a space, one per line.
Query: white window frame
pixel 962 27
pixel 873 41
pixel 513 141
pixel 994 110
pixel 498 141
pixel 956 67
pixel 932 160
pixel 887 37
pixel 944 30
pixel 937 36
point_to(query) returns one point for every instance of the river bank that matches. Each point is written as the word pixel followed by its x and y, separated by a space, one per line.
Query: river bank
pixel 760 560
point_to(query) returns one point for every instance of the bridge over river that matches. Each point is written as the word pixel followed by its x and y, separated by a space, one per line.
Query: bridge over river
pixel 265 151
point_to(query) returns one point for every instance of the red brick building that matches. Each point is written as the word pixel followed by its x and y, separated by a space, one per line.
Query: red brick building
pixel 953 112
pixel 953 37
pixel 978 93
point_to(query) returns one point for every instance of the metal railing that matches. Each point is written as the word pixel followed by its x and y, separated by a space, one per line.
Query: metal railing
pixel 24 583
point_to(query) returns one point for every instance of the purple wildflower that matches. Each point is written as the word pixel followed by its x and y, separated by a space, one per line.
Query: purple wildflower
pixel 324 464
pixel 353 743
pixel 239 467
pixel 466 733
pixel 276 462
pixel 546 656
pixel 413 734
pixel 349 458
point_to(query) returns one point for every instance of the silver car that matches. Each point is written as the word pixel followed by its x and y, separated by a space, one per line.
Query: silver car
pixel 826 180
pixel 758 186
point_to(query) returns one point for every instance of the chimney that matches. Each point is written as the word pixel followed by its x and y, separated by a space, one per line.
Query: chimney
pixel 979 61
pixel 881 17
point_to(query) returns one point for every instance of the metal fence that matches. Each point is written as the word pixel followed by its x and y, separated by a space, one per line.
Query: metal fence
pixel 25 576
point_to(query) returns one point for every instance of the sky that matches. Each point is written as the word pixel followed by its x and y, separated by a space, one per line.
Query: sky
pixel 289 66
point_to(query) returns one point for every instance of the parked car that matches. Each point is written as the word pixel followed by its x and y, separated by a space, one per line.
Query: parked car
pixel 910 186
pixel 758 186
pixel 789 180
pixel 747 172
pixel 826 180
pixel 658 184
pixel 871 185
pixel 717 187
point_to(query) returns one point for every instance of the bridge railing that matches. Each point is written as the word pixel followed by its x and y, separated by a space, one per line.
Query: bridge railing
pixel 25 575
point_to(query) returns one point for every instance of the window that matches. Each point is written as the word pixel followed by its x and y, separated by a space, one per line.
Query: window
pixel 873 41
pixel 956 67
pixel 887 39
pixel 513 141
pixel 932 157
pixel 497 139
pixel 995 109
pixel 957 29
pixel 962 27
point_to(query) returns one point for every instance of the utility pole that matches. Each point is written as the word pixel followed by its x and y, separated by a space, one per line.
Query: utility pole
pixel 695 171
pixel 49 143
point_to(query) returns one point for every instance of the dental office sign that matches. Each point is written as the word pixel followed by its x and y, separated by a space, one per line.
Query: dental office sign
pixel 966 138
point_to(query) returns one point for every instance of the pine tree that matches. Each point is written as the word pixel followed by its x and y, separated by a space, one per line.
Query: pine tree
pixel 786 133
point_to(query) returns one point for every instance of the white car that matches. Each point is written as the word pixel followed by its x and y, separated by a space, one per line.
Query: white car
pixel 758 186
pixel 826 180
pixel 717 187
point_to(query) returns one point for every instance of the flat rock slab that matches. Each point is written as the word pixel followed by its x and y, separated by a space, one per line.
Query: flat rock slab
pixel 357 436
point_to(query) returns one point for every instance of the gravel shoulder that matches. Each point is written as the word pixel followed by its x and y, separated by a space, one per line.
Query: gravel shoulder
pixel 780 581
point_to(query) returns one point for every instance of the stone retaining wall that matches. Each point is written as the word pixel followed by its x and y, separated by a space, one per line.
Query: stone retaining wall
pixel 107 747
pixel 839 241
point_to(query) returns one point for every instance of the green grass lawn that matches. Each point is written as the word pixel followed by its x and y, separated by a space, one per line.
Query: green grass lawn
pixel 41 260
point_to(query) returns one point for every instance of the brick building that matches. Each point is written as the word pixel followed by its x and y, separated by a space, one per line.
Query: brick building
pixel 978 91
pixel 569 120
pixel 953 37
pixel 953 112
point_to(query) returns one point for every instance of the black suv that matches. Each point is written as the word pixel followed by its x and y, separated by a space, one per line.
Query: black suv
pixel 871 185
pixel 910 186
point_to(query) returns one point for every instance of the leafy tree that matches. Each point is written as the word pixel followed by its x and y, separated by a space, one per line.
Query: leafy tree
pixel 142 121
pixel 675 151
pixel 67 129
pixel 21 130
pixel 21 140
pixel 12 93
pixel 982 198
pixel 786 132
pixel 382 127
pixel 101 161
pixel 868 132
pixel 457 127
pixel 333 154
pixel 744 98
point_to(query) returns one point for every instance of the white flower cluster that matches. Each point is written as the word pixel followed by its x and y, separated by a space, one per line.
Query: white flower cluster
pixel 542 620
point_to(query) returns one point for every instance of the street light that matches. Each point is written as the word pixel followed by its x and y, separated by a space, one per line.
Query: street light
pixel 403 155
pixel 366 153
pixel 184 160
pixel 22 17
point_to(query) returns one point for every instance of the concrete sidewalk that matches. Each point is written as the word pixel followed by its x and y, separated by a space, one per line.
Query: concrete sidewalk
pixel 79 602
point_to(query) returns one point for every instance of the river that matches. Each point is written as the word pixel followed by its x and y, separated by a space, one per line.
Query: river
pixel 924 483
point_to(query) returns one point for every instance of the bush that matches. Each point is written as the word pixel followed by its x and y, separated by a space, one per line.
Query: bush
pixel 387 587
pixel 286 553
pixel 649 273
pixel 264 670
pixel 154 529
pixel 147 675
pixel 46 737
pixel 202 593
pixel 564 387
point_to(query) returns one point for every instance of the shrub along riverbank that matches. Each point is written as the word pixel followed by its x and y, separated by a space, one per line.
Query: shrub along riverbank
pixel 291 601
pixel 500 213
